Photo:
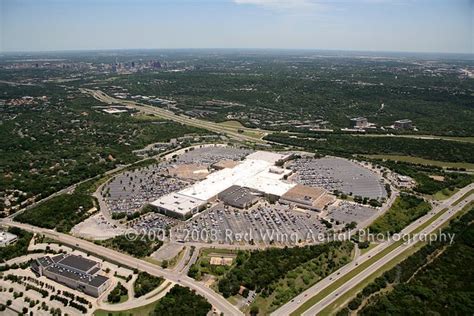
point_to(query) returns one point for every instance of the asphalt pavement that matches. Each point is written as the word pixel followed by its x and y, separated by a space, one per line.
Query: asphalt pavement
pixel 299 300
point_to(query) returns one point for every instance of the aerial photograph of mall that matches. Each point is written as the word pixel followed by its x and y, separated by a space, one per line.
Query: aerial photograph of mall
pixel 236 157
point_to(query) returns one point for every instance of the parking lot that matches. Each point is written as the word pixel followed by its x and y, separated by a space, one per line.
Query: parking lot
pixel 347 212
pixel 262 224
pixel 210 155
pixel 259 225
pixel 153 222
pixel 129 191
pixel 340 174
pixel 97 227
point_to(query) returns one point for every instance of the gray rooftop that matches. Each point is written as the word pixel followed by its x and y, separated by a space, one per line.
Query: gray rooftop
pixel 78 263
pixel 73 267
pixel 239 196
pixel 93 280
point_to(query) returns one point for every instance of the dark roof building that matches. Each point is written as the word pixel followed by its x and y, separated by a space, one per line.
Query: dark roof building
pixel 403 124
pixel 240 197
pixel 73 271
pixel 78 263
pixel 359 122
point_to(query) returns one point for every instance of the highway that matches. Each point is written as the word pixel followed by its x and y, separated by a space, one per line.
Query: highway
pixel 221 304
pixel 230 131
pixel 169 115
pixel 294 304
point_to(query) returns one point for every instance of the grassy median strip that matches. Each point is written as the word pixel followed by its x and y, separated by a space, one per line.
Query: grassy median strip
pixel 346 278
pixel 430 221
pixel 423 161
pixel 339 282
pixel 332 308
pixel 463 197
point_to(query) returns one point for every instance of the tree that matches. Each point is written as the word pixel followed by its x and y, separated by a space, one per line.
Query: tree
pixel 182 301
pixel 254 310
pixel 351 225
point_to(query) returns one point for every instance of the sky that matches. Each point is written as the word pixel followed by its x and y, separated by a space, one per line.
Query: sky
pixel 445 26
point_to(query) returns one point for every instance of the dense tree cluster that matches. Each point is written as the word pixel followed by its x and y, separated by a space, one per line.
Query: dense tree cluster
pixel 346 145
pixel 260 270
pixel 140 247
pixel 182 301
pixel 145 283
pixel 117 293
pixel 421 174
pixel 50 146
pixel 61 212
pixel 436 280
pixel 406 209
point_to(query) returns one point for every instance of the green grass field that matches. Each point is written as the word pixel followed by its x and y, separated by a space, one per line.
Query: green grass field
pixel 339 282
pixel 233 123
pixel 203 265
pixel 335 285
pixel 343 299
pixel 450 138
pixel 138 311
pixel 236 125
pixel 123 298
pixel 428 162
pixel 371 246
pixel 444 194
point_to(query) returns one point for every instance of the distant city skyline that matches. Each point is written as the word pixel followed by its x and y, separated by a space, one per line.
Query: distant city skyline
pixel 441 26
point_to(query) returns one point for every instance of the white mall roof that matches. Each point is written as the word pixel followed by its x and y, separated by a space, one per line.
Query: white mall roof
pixel 268 182
pixel 266 156
pixel 220 180
pixel 253 172
pixel 178 203
pixel 257 172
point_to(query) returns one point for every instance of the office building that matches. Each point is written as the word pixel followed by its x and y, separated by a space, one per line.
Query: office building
pixel 403 124
pixel 76 272
pixel 7 239
pixel 359 122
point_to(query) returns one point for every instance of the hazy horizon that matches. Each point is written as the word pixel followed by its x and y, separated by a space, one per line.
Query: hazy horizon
pixel 329 52
pixel 411 26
